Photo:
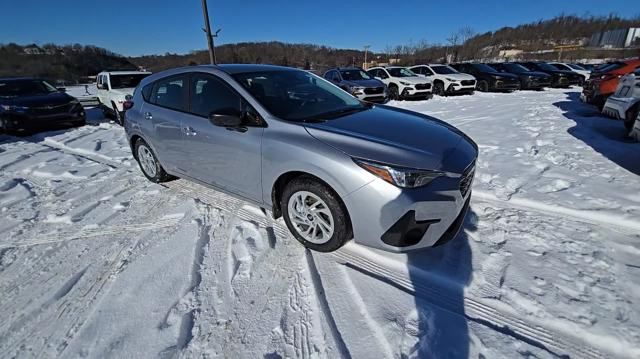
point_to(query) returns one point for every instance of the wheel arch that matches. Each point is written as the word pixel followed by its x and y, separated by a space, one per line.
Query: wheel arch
pixel 285 178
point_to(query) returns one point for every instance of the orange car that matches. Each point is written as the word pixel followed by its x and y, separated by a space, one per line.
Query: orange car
pixel 604 80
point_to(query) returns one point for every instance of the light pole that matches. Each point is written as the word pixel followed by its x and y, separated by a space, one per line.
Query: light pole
pixel 207 30
pixel 366 47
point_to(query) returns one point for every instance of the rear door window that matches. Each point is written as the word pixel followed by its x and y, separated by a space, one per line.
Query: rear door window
pixel 171 93
pixel 210 95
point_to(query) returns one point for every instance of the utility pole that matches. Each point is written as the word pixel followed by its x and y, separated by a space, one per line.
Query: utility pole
pixel 366 48
pixel 207 30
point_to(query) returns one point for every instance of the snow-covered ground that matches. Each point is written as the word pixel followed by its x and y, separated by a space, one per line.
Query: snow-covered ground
pixel 95 261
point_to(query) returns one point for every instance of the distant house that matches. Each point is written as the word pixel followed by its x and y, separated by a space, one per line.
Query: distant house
pixel 32 50
pixel 620 38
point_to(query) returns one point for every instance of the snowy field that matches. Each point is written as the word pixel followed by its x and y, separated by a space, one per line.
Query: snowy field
pixel 95 261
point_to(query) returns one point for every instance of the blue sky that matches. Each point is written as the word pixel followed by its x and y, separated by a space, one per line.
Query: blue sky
pixel 138 27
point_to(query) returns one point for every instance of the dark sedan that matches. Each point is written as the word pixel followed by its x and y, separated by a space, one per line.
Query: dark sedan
pixel 359 83
pixel 489 79
pixel 29 104
pixel 529 80
pixel 559 78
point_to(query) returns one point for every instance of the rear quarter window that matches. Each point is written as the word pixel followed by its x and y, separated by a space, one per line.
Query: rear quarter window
pixel 146 92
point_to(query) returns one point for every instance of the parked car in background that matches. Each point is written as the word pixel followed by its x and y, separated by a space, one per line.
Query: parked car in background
pixel 334 167
pixel 529 80
pixel 604 81
pixel 402 83
pixel 624 104
pixel 359 83
pixel 488 78
pixel 114 87
pixel 31 104
pixel 559 78
pixel 573 67
pixel 446 79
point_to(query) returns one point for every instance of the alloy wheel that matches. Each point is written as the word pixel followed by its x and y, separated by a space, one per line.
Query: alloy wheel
pixel 311 217
pixel 147 161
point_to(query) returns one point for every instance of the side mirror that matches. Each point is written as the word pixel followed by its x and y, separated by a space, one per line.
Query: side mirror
pixel 62 89
pixel 226 118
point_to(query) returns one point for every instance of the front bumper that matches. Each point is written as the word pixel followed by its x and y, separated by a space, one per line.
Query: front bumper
pixel 460 87
pixel 502 85
pixel 617 107
pixel 372 94
pixel 23 122
pixel 401 220
pixel 536 83
pixel 413 93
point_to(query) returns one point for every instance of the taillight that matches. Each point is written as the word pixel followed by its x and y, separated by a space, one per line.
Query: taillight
pixel 127 105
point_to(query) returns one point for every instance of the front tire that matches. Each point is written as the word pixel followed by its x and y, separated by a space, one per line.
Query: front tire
pixel 315 215
pixel 482 86
pixel 631 117
pixel 149 164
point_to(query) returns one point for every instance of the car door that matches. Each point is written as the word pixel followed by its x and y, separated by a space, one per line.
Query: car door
pixel 103 89
pixel 165 110
pixel 226 157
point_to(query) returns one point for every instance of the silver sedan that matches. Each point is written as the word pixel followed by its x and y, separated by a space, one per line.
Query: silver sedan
pixel 334 167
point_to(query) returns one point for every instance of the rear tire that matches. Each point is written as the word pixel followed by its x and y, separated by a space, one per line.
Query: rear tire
pixel 394 93
pixel 438 88
pixel 149 164
pixel 315 208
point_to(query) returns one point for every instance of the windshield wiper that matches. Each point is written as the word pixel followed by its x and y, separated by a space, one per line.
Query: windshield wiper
pixel 334 114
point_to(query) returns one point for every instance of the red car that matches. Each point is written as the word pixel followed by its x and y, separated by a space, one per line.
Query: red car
pixel 604 81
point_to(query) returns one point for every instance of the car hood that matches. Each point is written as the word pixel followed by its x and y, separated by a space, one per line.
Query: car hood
pixel 535 73
pixel 414 79
pixel 52 99
pixel 123 91
pixel 505 75
pixel 365 83
pixel 398 137
pixel 459 77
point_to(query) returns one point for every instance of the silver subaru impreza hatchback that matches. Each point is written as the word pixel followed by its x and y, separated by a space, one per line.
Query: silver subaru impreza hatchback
pixel 334 167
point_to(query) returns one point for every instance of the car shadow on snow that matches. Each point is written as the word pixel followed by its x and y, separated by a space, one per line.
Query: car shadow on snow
pixel 439 276
pixel 606 136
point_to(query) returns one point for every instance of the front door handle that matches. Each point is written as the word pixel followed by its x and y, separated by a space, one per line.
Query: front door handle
pixel 148 116
pixel 189 131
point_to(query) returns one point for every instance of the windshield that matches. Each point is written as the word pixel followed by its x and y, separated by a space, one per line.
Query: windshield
pixel 298 96
pixel 444 70
pixel 484 68
pixel 515 68
pixel 126 81
pixel 16 88
pixel 355 75
pixel 400 72
pixel 547 67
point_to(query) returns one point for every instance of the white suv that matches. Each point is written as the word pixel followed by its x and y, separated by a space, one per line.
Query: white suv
pixel 446 79
pixel 402 82
pixel 624 104
pixel 114 87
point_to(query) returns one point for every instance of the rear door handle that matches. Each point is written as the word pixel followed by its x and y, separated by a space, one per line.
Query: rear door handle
pixel 148 116
pixel 189 131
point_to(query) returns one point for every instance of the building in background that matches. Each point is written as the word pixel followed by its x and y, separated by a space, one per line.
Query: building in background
pixel 620 38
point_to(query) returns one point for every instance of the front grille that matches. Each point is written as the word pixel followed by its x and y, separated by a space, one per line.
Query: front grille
pixel 423 86
pixel 50 110
pixel 467 180
pixel 373 90
pixel 467 82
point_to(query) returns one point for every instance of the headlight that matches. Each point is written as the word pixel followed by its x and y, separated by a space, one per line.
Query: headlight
pixel 356 89
pixel 406 83
pixel 401 177
pixel 452 80
pixel 14 108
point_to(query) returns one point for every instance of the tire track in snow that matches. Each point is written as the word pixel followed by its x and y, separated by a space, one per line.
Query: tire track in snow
pixel 597 218
pixel 493 314
pixel 324 306
pixel 88 233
